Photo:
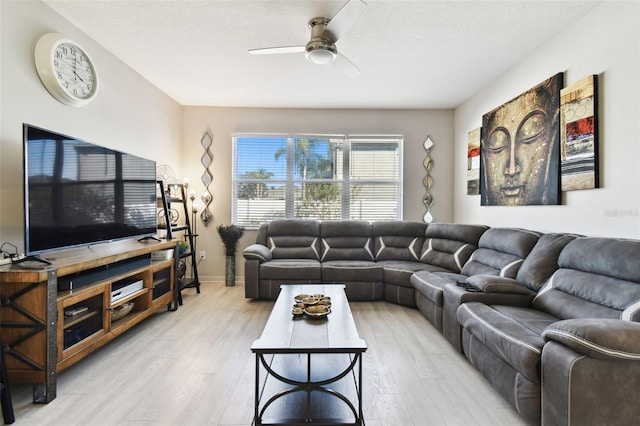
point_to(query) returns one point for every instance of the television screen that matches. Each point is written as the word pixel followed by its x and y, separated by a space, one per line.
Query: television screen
pixel 77 193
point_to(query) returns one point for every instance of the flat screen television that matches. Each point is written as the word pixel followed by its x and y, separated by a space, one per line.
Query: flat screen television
pixel 78 194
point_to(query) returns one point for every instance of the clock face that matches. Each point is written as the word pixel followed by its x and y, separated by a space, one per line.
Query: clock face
pixel 66 70
pixel 74 71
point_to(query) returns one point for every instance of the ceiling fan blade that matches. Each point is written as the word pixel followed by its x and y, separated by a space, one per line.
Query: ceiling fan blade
pixel 345 18
pixel 346 66
pixel 277 50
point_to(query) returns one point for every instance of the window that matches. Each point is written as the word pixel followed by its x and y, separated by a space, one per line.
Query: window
pixel 316 177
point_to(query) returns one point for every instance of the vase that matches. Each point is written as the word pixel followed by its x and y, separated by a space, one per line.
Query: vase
pixel 230 271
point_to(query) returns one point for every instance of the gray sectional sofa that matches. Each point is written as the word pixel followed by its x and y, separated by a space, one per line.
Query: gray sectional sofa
pixel 551 320
pixel 374 260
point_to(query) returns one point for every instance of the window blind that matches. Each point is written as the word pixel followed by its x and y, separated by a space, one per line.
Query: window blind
pixel 316 177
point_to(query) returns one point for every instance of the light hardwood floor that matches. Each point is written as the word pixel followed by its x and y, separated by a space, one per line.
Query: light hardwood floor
pixel 195 367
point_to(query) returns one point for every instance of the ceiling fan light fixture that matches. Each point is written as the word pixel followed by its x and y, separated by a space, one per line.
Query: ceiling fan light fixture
pixel 321 48
pixel 321 53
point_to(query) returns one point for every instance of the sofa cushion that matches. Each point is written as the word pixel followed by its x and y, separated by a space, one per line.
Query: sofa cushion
pixel 262 235
pixel 501 251
pixel 346 240
pixel 449 245
pixel 542 261
pixel 513 334
pixel 399 272
pixel 397 240
pixel 291 269
pixel 613 257
pixel 336 271
pixel 597 278
pixel 293 239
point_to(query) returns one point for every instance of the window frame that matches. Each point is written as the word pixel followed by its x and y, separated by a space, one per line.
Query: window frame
pixel 346 182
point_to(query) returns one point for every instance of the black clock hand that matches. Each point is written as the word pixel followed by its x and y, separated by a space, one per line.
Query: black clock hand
pixel 75 70
pixel 78 75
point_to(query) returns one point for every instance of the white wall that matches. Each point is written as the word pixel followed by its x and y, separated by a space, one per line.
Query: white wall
pixel 223 123
pixel 606 43
pixel 132 115
pixel 128 114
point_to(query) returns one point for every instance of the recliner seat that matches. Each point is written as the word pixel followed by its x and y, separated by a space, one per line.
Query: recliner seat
pixel 536 268
pixel 500 252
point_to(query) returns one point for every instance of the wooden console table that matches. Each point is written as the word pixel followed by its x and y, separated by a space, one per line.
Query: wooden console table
pixel 45 330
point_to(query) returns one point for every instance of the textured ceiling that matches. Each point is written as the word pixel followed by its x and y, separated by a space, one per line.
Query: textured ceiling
pixel 412 54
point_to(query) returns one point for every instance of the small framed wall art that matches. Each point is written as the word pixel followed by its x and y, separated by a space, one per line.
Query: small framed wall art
pixel 579 135
pixel 473 162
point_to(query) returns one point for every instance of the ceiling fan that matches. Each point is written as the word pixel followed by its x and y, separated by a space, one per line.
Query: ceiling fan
pixel 321 48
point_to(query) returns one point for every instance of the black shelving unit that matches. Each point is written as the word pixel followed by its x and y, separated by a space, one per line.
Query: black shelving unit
pixel 177 194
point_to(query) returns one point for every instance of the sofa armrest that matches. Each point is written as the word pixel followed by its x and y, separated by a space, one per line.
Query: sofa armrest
pixel 609 339
pixel 455 295
pixel 590 372
pixel 496 284
pixel 258 252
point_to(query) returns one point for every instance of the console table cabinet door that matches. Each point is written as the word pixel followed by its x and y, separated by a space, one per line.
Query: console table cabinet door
pixel 79 330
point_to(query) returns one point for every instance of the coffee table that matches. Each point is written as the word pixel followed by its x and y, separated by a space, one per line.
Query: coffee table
pixel 313 367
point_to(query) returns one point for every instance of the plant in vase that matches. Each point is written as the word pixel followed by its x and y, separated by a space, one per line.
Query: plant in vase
pixel 183 246
pixel 230 235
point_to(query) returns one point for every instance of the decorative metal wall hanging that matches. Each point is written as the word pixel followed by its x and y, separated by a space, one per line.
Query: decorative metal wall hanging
pixel 206 216
pixel 428 181
pixel 165 173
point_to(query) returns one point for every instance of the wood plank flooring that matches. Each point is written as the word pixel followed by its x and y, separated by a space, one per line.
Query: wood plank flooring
pixel 195 367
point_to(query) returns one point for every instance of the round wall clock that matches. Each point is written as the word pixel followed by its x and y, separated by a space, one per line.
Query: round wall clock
pixel 66 70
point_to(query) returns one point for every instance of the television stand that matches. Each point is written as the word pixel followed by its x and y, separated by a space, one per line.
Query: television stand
pixel 31 258
pixel 47 327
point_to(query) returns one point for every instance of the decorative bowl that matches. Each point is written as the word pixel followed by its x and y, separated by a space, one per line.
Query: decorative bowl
pixel 299 297
pixel 310 300
pixel 317 311
pixel 122 311
pixel 296 311
pixel 325 301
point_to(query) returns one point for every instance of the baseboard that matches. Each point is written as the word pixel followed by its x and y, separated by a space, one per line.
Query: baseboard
pixel 219 279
